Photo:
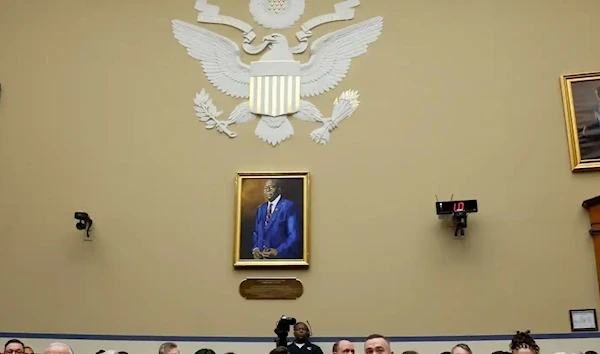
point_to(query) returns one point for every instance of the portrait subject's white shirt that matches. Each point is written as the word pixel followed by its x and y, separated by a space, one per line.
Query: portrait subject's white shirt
pixel 299 345
pixel 273 204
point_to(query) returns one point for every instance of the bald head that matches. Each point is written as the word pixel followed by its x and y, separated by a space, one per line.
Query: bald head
pixel 343 347
pixel 58 348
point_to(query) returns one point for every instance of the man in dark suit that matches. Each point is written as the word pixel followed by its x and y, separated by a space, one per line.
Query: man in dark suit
pixel 302 343
pixel 276 229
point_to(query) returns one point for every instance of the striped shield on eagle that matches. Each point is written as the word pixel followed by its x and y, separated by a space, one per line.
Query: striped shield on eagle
pixel 274 87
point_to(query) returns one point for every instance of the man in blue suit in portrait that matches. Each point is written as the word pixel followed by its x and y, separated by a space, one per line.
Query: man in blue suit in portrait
pixel 276 227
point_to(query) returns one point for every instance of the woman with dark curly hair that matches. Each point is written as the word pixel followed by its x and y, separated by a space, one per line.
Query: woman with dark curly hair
pixel 523 343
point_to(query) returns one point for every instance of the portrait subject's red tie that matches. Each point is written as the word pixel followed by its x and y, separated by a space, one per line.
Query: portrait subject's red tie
pixel 268 215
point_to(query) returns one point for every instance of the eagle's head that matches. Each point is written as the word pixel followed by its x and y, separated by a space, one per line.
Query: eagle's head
pixel 275 38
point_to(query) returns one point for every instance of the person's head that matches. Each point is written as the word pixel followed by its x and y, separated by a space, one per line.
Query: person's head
pixel 14 346
pixel 280 350
pixel 343 347
pixel 461 348
pixel 168 348
pixel 122 352
pixel 301 332
pixel 272 189
pixel 100 351
pixel 410 352
pixel 445 353
pixel 377 344
pixel 205 351
pixel 523 343
pixel 591 351
pixel 58 348
pixel 499 352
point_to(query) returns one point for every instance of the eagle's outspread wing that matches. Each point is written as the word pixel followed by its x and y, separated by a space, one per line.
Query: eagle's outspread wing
pixel 219 55
pixel 332 53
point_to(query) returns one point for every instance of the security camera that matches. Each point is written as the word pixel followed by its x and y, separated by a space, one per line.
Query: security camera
pixel 84 221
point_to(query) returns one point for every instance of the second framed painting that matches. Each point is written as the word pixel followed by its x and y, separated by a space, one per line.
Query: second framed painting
pixel 581 102
pixel 271 219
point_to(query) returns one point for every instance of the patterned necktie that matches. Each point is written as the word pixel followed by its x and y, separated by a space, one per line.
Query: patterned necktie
pixel 268 215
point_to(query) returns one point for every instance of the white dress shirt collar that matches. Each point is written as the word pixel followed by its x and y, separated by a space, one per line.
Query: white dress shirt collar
pixel 273 204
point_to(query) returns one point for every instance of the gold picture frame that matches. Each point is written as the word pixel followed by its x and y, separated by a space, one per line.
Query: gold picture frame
pixel 581 104
pixel 272 219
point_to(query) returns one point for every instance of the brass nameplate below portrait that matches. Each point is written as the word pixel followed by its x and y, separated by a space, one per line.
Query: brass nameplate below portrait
pixel 271 288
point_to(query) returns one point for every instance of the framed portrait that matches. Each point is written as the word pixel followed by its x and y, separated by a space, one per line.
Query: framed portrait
pixel 271 219
pixel 583 320
pixel 581 103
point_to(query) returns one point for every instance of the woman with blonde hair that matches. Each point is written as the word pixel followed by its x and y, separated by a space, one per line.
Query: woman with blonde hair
pixel 461 348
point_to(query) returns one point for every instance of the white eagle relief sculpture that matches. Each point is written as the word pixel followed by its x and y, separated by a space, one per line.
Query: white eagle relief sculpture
pixel 274 87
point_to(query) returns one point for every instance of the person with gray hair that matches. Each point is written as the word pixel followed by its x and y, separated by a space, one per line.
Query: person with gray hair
pixel 58 348
pixel 168 348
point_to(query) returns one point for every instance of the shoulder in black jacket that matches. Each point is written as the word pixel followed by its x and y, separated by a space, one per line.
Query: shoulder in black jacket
pixel 307 348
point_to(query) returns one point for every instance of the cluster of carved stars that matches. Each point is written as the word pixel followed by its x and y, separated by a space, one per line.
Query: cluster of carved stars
pixel 277 5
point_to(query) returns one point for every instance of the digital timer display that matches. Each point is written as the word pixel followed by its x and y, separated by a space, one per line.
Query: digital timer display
pixel 470 206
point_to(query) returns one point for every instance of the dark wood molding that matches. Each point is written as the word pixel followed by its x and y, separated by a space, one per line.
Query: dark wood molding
pixel 592 202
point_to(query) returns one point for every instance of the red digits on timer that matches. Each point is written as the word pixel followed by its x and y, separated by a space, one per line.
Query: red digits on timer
pixel 459 206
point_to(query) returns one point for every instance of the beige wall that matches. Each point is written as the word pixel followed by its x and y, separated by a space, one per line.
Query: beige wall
pixel 458 97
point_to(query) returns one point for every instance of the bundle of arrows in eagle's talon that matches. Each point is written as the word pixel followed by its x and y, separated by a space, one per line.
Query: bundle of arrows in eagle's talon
pixel 343 107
